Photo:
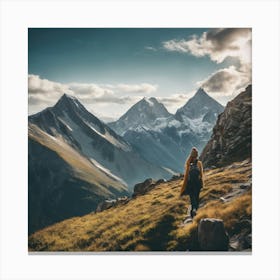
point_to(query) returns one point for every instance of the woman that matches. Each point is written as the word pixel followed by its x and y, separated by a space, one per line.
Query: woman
pixel 193 180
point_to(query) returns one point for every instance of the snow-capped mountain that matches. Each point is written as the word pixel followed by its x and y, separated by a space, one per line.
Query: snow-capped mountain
pixel 163 138
pixel 144 114
pixel 70 120
pixel 200 107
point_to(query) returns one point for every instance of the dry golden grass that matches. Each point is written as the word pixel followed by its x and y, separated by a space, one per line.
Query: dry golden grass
pixel 152 222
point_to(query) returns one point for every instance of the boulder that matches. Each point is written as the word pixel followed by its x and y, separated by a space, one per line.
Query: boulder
pixel 142 188
pixel 106 204
pixel 160 181
pixel 109 203
pixel 176 177
pixel 212 235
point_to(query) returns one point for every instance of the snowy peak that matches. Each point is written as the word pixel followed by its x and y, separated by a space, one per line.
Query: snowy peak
pixel 152 101
pixel 70 119
pixel 149 105
pixel 68 102
pixel 144 113
pixel 198 106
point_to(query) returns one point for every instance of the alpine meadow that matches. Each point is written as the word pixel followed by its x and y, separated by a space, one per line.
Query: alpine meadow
pixel 139 139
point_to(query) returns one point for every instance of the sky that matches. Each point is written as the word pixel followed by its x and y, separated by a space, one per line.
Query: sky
pixel 110 69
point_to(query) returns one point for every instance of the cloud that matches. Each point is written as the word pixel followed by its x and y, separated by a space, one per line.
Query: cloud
pixel 139 89
pixel 150 48
pixel 36 85
pixel 43 93
pixel 225 82
pixel 175 99
pixel 218 44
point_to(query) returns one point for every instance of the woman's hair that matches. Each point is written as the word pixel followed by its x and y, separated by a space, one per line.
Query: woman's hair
pixel 193 155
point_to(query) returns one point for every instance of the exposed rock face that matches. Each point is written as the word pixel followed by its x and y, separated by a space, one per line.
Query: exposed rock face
pixel 232 135
pixel 212 235
pixel 243 240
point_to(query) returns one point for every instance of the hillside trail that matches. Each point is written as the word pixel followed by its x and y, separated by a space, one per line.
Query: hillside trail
pixel 237 190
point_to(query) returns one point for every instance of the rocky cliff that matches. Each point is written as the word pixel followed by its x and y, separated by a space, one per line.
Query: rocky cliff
pixel 232 135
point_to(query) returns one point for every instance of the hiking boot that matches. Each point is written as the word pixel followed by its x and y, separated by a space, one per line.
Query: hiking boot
pixel 193 213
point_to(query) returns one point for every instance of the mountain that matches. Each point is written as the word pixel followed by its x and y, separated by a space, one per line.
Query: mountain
pixel 157 147
pixel 143 114
pixel 232 135
pixel 164 139
pixel 92 138
pixel 156 221
pixel 200 106
pixel 75 161
pixel 63 183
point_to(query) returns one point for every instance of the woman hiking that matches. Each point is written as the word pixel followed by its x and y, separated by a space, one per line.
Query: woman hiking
pixel 193 180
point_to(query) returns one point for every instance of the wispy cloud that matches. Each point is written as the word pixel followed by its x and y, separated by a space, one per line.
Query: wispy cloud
pixel 175 101
pixel 143 88
pixel 150 48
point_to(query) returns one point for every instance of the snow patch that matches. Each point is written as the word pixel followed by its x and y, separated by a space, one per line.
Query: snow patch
pixel 151 104
pixel 106 171
pixel 65 124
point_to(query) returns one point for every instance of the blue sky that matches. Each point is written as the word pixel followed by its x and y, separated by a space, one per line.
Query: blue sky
pixel 112 68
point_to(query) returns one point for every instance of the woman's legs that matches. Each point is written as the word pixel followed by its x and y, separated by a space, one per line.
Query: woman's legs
pixel 194 197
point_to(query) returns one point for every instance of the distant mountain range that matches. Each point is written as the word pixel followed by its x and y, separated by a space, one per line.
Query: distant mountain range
pixel 165 139
pixel 75 160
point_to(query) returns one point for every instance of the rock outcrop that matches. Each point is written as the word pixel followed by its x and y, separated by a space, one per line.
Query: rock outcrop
pixel 212 235
pixel 147 185
pixel 242 241
pixel 232 135
pixel 109 203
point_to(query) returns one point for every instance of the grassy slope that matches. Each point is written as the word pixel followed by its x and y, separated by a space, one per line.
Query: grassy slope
pixel 82 167
pixel 152 221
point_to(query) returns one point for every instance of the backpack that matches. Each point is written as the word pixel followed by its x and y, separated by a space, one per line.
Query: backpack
pixel 194 175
